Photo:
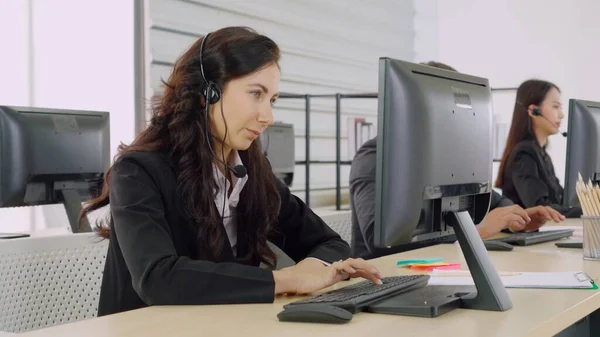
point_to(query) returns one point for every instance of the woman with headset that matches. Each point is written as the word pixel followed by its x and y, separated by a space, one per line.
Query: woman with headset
pixel 193 200
pixel 526 174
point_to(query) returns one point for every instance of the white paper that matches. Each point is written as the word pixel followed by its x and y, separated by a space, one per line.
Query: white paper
pixel 577 234
pixel 565 280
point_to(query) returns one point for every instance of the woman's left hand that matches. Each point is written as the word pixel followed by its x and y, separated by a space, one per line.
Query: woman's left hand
pixel 311 275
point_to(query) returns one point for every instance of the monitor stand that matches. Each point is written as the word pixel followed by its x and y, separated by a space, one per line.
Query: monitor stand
pixel 65 192
pixel 68 193
pixel 430 301
pixel 491 293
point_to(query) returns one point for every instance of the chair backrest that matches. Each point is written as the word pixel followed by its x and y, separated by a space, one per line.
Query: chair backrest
pixel 50 280
pixel 341 222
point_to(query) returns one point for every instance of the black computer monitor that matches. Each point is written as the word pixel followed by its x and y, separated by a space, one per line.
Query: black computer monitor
pixel 51 156
pixel 583 156
pixel 434 166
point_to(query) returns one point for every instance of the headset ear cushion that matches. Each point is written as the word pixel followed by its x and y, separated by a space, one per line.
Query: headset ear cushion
pixel 212 93
pixel 215 96
pixel 536 112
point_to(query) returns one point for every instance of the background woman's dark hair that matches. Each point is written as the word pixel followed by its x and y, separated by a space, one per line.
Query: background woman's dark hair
pixel 177 128
pixel 529 92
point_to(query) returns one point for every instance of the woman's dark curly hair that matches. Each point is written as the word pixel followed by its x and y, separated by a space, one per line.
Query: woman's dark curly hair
pixel 177 127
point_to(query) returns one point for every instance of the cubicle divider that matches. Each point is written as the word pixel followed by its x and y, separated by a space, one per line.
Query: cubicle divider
pixel 338 160
pixel 50 280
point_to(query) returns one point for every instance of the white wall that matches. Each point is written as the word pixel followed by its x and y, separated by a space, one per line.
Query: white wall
pixel 327 47
pixel 67 54
pixel 79 55
pixel 510 41
pixel 426 30
pixel 14 37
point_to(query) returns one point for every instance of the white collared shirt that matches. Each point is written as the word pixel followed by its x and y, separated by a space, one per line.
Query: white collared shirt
pixel 228 212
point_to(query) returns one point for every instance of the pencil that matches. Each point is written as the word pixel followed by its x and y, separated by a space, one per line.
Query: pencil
pixel 594 222
pixel 586 212
pixel 589 199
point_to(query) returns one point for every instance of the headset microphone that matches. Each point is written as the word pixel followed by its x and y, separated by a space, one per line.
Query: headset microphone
pixel 239 171
pixel 537 112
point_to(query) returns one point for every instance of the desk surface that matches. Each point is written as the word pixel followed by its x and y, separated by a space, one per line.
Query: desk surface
pixel 536 312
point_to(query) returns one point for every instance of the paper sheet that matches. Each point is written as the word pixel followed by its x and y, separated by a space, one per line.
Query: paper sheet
pixel 550 280
pixel 577 234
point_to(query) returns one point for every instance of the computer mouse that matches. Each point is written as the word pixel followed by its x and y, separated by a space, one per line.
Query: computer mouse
pixel 315 313
pixel 493 245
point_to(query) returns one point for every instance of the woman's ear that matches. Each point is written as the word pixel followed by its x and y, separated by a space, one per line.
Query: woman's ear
pixel 530 110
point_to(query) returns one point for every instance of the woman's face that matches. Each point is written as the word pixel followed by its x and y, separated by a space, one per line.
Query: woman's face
pixel 552 114
pixel 247 108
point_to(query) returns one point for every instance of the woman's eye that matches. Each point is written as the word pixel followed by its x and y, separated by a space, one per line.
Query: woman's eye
pixel 255 93
pixel 273 101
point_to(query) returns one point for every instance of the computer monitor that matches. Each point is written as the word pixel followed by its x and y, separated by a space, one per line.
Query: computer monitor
pixel 583 156
pixel 278 145
pixel 51 156
pixel 434 166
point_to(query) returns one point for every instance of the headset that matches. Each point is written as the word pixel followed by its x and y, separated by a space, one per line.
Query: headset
pixel 537 112
pixel 212 94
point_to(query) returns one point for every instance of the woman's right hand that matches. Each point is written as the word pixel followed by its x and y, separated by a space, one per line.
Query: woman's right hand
pixel 304 280
pixel 513 217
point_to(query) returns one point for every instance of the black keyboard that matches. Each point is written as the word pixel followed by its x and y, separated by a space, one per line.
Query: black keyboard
pixel 357 296
pixel 526 239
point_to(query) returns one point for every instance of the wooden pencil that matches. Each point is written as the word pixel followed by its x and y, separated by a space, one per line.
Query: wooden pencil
pixel 586 212
pixel 594 222
pixel 589 199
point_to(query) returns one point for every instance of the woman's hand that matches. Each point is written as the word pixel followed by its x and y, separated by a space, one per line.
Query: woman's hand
pixel 305 278
pixel 539 216
pixel 500 218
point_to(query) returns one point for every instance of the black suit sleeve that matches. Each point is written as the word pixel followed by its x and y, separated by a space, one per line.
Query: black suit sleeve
pixel 363 190
pixel 159 275
pixel 499 201
pixel 531 188
pixel 363 194
pixel 306 234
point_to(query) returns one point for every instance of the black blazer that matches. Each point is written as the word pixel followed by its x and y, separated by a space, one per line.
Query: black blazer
pixel 151 254
pixel 529 179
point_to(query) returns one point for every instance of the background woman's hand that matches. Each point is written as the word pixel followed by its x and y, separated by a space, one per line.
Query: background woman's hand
pixel 513 217
pixel 540 215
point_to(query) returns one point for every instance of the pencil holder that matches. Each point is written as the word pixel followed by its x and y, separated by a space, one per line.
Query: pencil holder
pixel 591 237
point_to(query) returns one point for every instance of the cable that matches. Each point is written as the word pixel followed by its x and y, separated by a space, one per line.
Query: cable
pixel 209 140
pixel 225 191
pixel 266 151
